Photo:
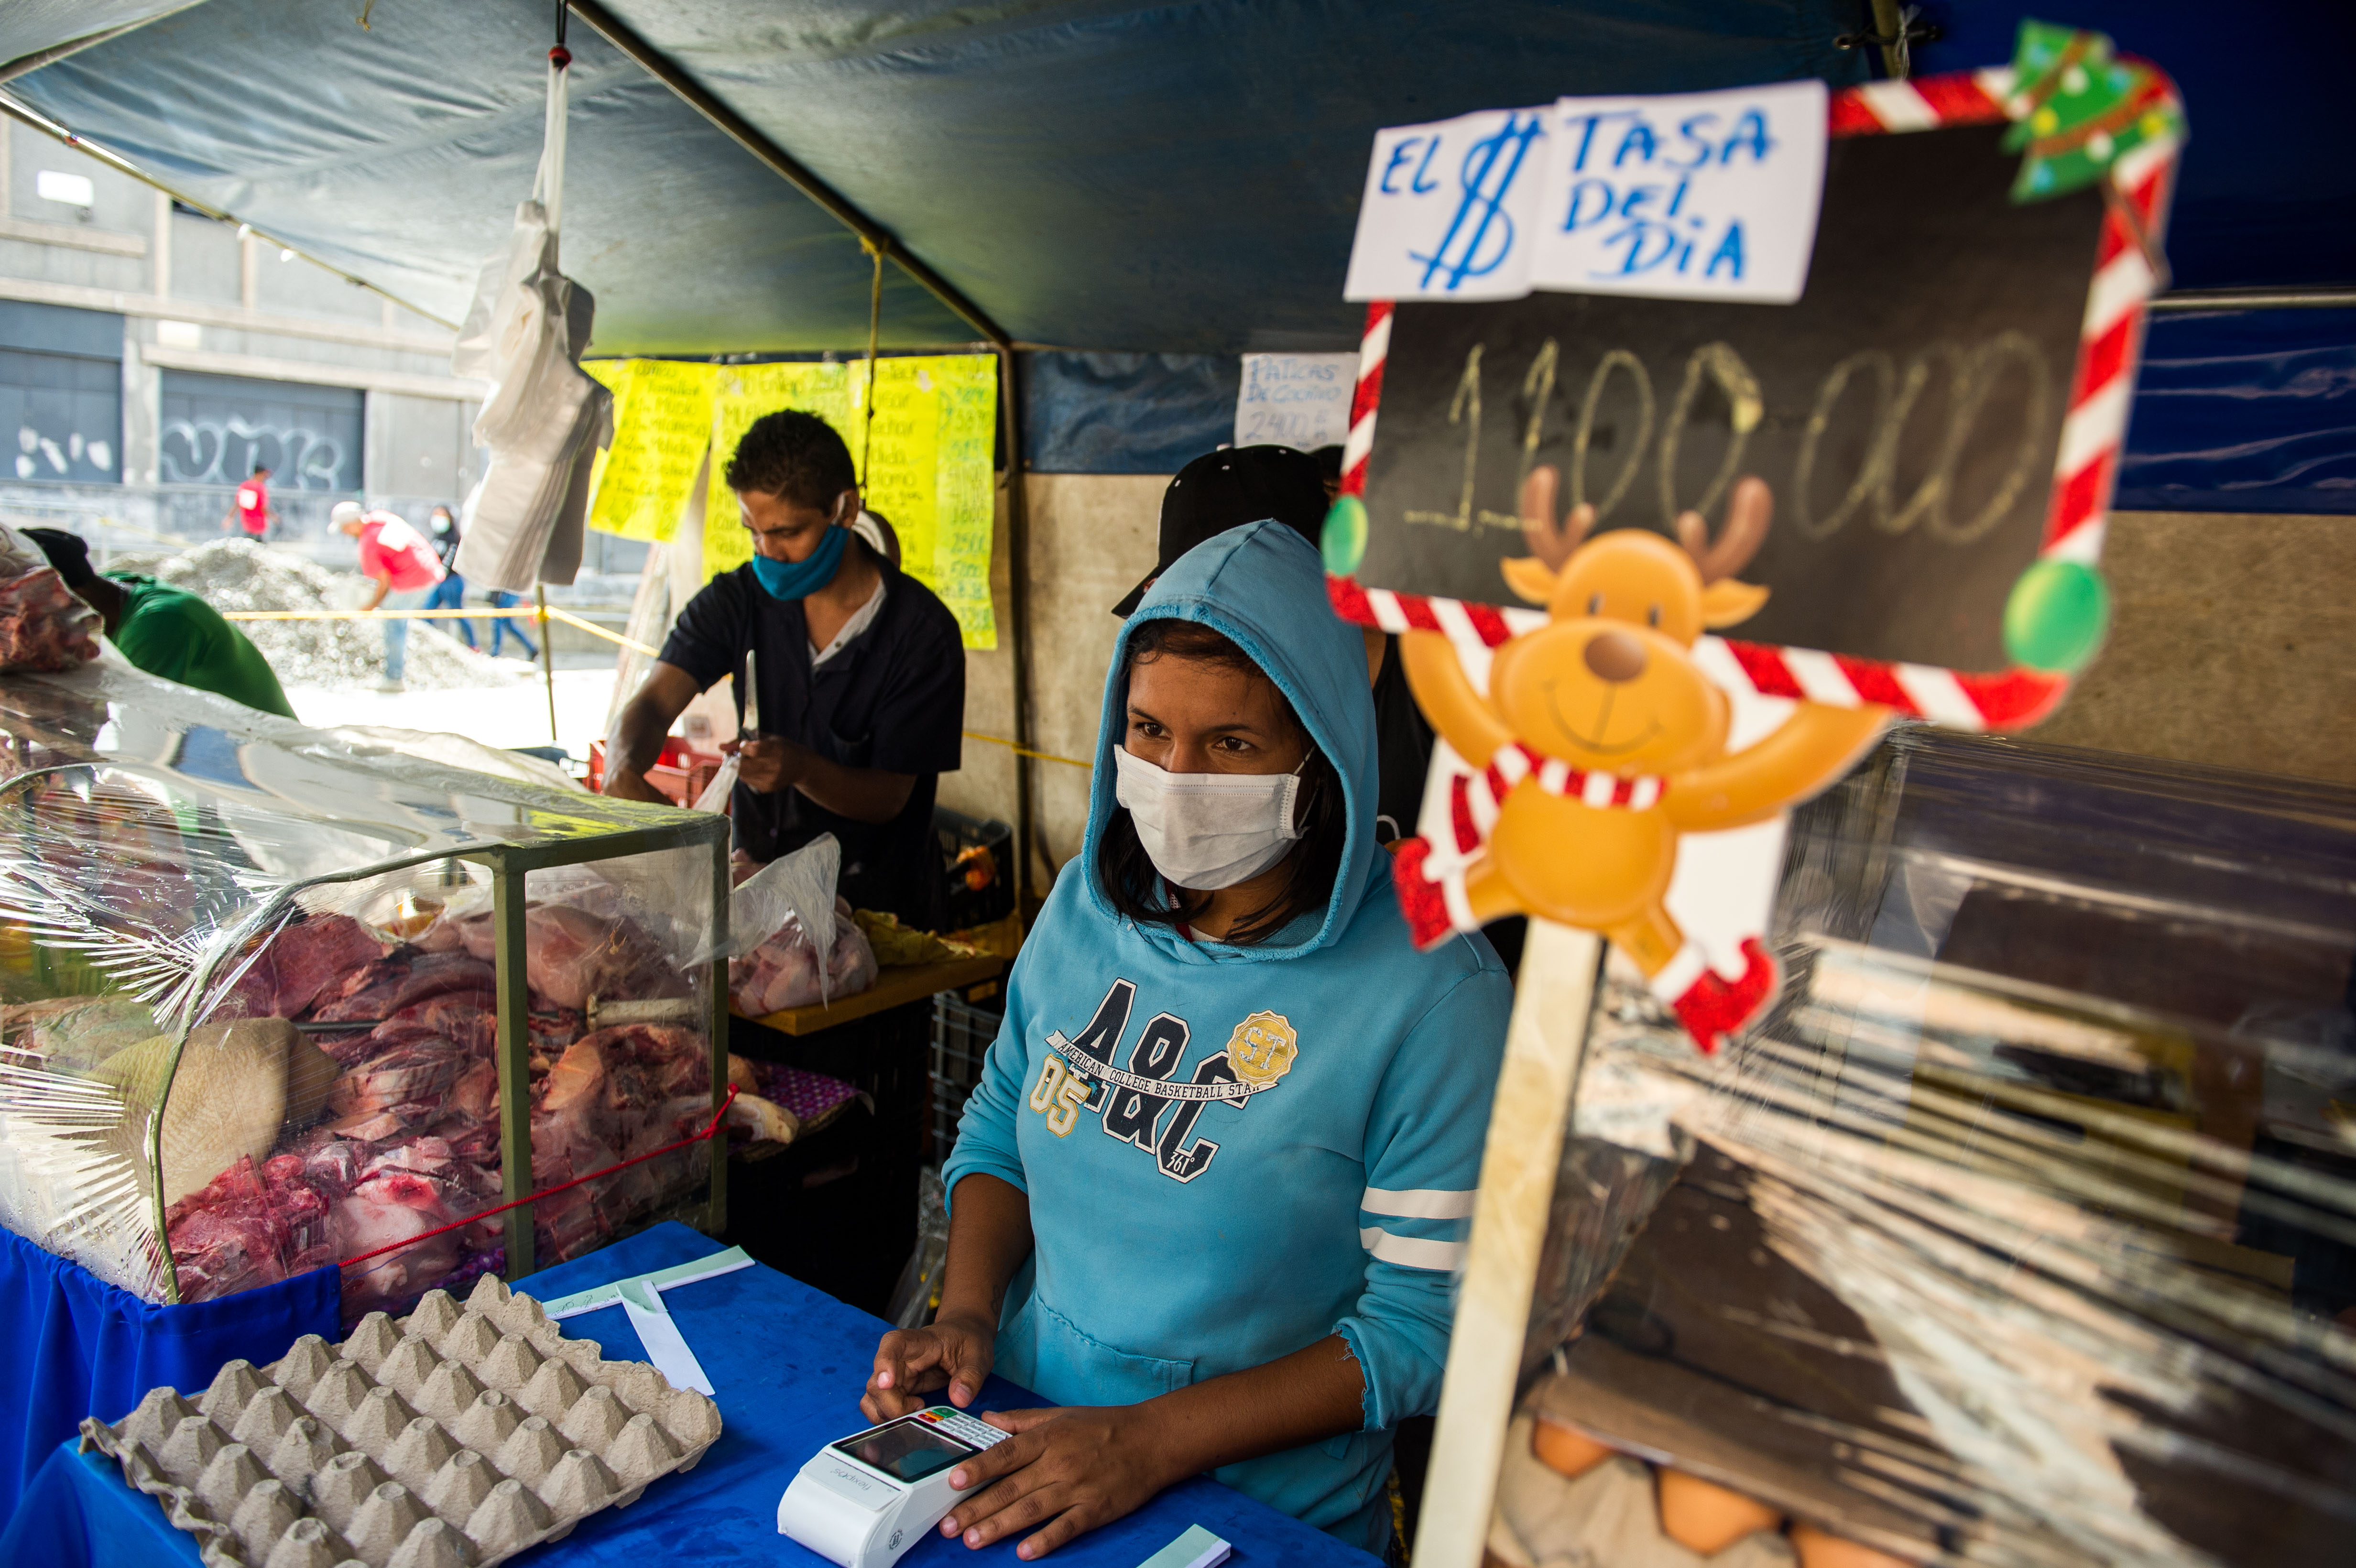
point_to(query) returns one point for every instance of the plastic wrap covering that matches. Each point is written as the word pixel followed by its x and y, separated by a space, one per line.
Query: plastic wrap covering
pixel 252 998
pixel 2022 1233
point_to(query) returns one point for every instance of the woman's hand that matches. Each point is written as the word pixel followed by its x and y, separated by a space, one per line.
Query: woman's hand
pixel 957 1350
pixel 1074 1469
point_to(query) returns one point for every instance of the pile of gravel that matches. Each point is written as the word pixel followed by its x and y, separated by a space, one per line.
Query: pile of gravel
pixel 238 575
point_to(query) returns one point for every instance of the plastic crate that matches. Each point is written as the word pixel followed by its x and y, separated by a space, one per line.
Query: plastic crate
pixel 962 1033
pixel 977 869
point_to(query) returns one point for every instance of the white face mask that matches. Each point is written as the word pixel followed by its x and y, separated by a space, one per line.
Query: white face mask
pixel 1208 831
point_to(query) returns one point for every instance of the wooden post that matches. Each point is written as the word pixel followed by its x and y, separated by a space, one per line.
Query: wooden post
pixel 1526 1127
pixel 548 659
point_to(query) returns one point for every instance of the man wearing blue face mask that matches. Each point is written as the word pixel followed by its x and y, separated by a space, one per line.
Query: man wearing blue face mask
pixel 860 678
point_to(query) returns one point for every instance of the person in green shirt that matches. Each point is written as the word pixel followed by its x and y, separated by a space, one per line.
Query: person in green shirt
pixel 166 631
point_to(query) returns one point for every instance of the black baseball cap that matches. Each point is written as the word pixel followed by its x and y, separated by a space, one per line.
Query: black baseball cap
pixel 1228 489
pixel 67 552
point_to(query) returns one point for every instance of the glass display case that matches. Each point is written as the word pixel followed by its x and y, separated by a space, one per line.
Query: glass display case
pixel 276 998
pixel 2021 1231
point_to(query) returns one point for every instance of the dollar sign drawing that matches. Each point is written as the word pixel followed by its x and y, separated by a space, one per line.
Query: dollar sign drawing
pixel 1488 173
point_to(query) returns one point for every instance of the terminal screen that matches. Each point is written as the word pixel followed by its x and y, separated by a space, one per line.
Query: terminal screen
pixel 907 1449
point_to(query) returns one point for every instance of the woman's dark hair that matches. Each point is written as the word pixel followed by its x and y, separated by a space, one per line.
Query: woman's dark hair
pixel 1127 873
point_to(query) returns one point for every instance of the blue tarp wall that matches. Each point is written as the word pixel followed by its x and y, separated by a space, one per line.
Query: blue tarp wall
pixel 1141 191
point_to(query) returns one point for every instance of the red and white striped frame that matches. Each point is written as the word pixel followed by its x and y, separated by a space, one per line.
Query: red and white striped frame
pixel 2084 471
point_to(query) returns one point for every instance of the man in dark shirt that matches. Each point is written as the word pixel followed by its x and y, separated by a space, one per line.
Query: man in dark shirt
pixel 860 678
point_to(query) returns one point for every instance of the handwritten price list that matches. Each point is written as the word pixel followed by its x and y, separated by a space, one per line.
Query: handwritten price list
pixel 662 421
pixel 928 458
pixel 929 470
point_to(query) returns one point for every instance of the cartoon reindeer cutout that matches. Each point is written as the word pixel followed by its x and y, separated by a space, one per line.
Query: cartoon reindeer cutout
pixel 1600 741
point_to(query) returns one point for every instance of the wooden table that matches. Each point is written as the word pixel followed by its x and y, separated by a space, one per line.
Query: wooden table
pixel 895 987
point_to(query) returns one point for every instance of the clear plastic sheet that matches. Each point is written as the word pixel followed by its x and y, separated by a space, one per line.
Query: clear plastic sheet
pixel 250 1004
pixel 2023 1231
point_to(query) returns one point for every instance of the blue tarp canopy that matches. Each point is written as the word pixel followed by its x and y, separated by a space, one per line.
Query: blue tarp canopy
pixel 1157 180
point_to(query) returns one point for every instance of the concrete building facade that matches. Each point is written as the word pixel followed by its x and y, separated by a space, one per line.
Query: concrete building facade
pixel 149 355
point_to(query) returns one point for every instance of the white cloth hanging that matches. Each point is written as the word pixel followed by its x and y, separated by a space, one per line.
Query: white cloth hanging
pixel 545 419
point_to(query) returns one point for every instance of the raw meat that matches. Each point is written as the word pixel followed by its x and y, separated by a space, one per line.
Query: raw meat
pixel 408 1191
pixel 782 972
pixel 573 956
pixel 363 993
pixel 42 625
pixel 295 965
pixel 249 1227
pixel 411 1136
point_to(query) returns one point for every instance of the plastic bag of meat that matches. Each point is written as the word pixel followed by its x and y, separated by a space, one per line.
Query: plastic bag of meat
pixel 42 625
pixel 781 918
pixel 783 972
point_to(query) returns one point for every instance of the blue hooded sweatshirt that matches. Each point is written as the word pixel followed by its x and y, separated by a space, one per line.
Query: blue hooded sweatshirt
pixel 1312 1174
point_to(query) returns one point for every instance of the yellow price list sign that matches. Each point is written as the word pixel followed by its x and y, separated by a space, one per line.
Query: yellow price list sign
pixel 662 422
pixel 929 470
pixel 928 463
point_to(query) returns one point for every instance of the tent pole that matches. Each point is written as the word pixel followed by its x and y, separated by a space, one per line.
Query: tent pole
pixel 24 65
pixel 655 63
pixel 1018 613
pixel 881 241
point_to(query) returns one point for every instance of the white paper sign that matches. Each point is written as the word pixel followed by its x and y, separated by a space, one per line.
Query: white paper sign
pixel 1685 195
pixel 1295 400
pixel 1448 208
pixel 1677 196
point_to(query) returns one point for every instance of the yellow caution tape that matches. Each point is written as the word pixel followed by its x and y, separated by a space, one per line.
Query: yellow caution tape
pixel 553 613
pixel 528 612
pixel 1027 751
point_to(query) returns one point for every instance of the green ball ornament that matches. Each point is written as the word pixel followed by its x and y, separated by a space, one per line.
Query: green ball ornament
pixel 1345 536
pixel 2056 616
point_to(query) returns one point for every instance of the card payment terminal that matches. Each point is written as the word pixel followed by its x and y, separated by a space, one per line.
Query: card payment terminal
pixel 863 1501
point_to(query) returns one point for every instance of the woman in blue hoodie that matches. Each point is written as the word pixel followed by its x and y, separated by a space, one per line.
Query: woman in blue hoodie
pixel 1213 1187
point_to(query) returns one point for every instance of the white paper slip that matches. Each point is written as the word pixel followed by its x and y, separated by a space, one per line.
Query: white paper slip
pixel 1295 400
pixel 671 1278
pixel 1198 1548
pixel 1448 208
pixel 1683 196
pixel 666 1347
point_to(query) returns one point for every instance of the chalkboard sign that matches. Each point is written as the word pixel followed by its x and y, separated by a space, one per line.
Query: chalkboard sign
pixel 1907 411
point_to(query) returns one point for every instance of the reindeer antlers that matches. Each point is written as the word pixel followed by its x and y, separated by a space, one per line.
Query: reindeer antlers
pixel 1551 542
pixel 1748 514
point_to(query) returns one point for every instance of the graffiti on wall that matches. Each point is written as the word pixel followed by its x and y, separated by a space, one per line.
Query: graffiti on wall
pixel 224 451
pixel 44 457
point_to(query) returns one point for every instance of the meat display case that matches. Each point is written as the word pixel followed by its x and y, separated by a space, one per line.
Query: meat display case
pixel 279 997
pixel 2022 1229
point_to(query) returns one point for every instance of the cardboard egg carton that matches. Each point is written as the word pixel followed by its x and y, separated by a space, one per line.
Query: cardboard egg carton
pixel 453 1437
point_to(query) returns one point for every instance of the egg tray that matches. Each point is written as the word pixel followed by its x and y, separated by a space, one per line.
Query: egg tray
pixel 453 1437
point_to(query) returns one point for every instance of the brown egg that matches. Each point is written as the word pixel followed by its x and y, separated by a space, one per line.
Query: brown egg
pixel 1818 1550
pixel 1566 1449
pixel 1706 1517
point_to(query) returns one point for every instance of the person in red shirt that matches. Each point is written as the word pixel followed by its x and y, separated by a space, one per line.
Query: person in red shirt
pixel 253 508
pixel 402 565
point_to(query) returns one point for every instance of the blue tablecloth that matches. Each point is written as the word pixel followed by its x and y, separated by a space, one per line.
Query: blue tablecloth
pixel 788 1362
pixel 71 1343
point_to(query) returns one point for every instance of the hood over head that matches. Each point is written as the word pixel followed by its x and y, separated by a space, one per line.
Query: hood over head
pixel 1263 587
